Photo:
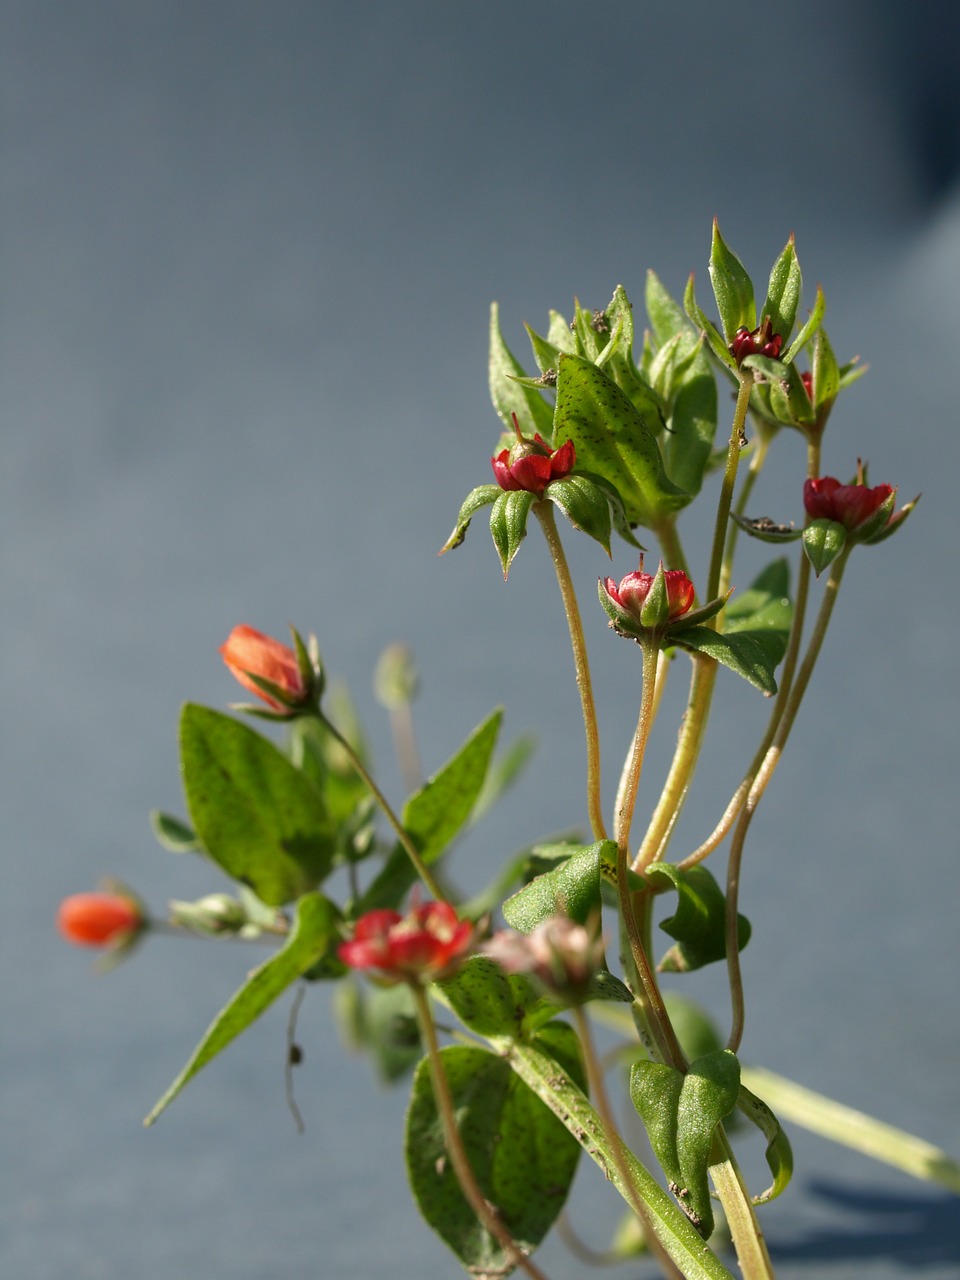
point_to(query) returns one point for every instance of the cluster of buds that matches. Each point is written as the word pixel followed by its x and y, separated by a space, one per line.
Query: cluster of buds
pixel 761 341
pixel 648 607
pixel 289 680
pixel 428 944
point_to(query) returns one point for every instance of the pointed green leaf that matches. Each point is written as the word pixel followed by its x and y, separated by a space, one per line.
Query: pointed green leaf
pixel 613 441
pixel 784 292
pixel 503 773
pixel 545 353
pixel 571 889
pixel 436 814
pixel 479 497
pixel 753 655
pixel 814 321
pixel 714 338
pixel 382 1022
pixel 509 396
pixel 699 922
pixel 764 611
pixel 314 935
pixel 681 1113
pixel 560 335
pixel 258 817
pixel 823 540
pixel 585 505
pixel 522 1156
pixel 666 315
pixel 826 372
pixel 732 287
pixel 692 425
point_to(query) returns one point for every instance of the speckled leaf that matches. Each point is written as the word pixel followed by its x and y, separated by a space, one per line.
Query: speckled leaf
pixel 613 440
pixel 314 935
pixel 257 816
pixel 680 1113
pixel 572 889
pixel 823 540
pixel 494 1003
pixel 732 287
pixel 783 292
pixel 752 655
pixel 508 524
pixel 523 1157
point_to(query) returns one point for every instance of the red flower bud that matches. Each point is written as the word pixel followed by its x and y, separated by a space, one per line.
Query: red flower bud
pixel 532 464
pixel 761 341
pixel 852 505
pixel 632 591
pixel 562 955
pixel 99 919
pixel 250 653
pixel 422 946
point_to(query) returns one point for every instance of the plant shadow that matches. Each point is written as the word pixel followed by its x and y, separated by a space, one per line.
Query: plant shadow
pixel 916 1231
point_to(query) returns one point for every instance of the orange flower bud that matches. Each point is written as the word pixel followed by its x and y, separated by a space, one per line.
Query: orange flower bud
pixel 249 653
pixel 99 919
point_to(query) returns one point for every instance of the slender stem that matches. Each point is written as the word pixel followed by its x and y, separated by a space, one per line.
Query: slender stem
pixel 405 745
pixel 704 674
pixel 759 786
pixel 670 544
pixel 601 1101
pixel 544 513
pixel 486 1213
pixel 748 1239
pixel 649 998
pixel 727 485
pixel 761 448
pixel 409 847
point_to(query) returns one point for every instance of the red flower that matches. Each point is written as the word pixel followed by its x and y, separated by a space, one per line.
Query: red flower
pixel 99 919
pixel 532 464
pixel 761 341
pixel 632 591
pixel 250 653
pixel 424 945
pixel 851 505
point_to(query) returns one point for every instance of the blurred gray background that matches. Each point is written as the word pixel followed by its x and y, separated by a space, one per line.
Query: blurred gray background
pixel 248 251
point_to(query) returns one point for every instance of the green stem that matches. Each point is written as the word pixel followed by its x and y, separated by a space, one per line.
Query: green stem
pixel 409 847
pixel 670 544
pixel 748 1239
pixel 471 1189
pixel 618 1148
pixel 544 513
pixel 704 674
pixel 759 786
pixel 761 448
pixel 652 1009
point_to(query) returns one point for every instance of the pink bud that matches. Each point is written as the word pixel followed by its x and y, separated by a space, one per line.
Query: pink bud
pixel 851 505
pixel 532 465
pixel 632 591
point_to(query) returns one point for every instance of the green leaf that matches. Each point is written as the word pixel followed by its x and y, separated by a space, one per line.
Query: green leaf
pixel 503 773
pixel 314 935
pixel 784 292
pixel 699 922
pixel 572 889
pixel 764 612
pixel 750 654
pixel 814 321
pixel 779 1154
pixel 494 1003
pixel 714 338
pixel 174 834
pixel 567 1101
pixel 613 440
pixel 732 287
pixel 507 394
pixel 258 817
pixel 479 497
pixel 545 353
pixel 508 524
pixel 692 425
pixel 666 315
pixel 435 815
pixel 522 1156
pixel 680 1113
pixel 585 504
pixel 382 1022
pixel 823 540
pixel 826 372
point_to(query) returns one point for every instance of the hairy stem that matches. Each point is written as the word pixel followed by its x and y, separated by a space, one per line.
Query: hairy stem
pixel 544 513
